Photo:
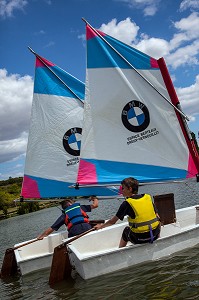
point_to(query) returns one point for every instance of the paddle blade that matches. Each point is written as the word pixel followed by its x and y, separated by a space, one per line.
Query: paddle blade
pixel 9 266
pixel 61 267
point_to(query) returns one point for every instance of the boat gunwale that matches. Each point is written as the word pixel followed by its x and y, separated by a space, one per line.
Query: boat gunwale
pixel 186 229
pixel 129 247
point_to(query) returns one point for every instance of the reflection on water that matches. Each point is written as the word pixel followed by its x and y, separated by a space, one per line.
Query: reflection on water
pixel 157 280
pixel 176 277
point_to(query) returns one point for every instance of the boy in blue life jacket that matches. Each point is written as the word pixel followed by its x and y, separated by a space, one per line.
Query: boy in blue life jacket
pixel 74 216
pixel 144 222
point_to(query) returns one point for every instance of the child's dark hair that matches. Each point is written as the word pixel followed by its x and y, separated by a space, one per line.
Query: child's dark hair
pixel 65 203
pixel 131 182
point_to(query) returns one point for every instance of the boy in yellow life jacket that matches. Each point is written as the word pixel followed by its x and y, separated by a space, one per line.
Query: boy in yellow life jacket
pixel 144 225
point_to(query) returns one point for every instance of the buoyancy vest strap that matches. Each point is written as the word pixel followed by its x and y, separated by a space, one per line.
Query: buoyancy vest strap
pixel 69 209
pixel 151 234
pixel 136 225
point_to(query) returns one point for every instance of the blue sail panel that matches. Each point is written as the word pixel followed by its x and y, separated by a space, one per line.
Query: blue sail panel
pixel 106 57
pixel 35 187
pixel 111 172
pixel 46 82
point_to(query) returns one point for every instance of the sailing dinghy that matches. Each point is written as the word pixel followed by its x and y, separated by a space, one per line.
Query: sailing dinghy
pixel 97 253
pixel 37 255
pixel 52 155
pixel 133 126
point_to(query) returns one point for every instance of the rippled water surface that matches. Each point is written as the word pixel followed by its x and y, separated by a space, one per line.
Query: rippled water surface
pixel 176 277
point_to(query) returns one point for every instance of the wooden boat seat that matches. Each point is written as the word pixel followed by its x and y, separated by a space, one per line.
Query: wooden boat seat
pixel 166 208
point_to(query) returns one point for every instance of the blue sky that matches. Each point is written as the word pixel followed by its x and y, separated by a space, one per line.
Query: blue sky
pixel 55 30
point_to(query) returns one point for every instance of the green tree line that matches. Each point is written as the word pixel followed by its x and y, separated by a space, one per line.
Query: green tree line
pixel 10 190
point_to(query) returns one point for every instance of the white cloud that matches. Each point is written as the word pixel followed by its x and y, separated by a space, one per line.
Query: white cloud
pixel 192 4
pixel 41 32
pixel 184 56
pixel 15 107
pixel 184 46
pixel 149 7
pixel 50 44
pixel 12 149
pixel 125 30
pixel 189 98
pixel 154 47
pixel 177 40
pixel 181 50
pixel 7 7
pixel 189 25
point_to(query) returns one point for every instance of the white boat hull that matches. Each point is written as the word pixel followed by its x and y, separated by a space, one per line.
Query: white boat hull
pixel 97 253
pixel 38 255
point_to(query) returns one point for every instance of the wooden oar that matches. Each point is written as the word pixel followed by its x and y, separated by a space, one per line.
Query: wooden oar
pixel 9 266
pixel 61 267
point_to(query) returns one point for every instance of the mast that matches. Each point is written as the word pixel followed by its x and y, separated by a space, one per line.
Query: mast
pixel 181 119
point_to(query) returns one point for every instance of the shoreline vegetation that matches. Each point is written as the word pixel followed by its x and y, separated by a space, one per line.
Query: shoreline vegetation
pixel 10 204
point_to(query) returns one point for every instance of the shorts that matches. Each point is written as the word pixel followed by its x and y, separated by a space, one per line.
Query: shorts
pixel 140 238
pixel 78 229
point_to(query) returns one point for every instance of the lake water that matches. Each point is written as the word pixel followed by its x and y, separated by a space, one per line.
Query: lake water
pixel 176 277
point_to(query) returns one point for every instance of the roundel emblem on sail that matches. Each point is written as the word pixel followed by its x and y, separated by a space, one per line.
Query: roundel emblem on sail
pixel 135 116
pixel 72 141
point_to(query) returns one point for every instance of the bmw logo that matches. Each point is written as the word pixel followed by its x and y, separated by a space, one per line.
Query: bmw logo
pixel 72 141
pixel 135 116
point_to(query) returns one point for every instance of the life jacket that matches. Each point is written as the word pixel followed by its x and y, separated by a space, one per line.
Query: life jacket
pixel 75 215
pixel 145 216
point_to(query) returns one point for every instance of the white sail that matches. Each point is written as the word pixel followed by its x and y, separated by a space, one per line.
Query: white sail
pixel 130 127
pixel 53 149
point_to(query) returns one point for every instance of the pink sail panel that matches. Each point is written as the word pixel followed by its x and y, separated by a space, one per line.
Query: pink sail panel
pixel 154 63
pixel 87 173
pixel 30 188
pixel 40 64
pixel 90 33
pixel 191 167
